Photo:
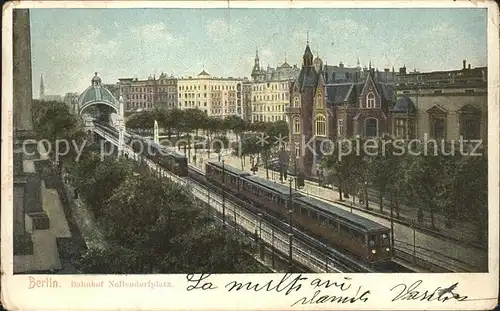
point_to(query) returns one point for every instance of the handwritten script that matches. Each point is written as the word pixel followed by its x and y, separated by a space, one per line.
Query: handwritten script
pixel 341 290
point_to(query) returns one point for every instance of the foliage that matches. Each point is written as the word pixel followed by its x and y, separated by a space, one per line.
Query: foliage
pixel 153 225
pixel 54 121
pixel 345 167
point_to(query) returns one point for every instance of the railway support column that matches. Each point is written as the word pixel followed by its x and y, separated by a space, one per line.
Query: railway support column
pixel 272 247
pixel 223 196
pixel 290 234
pixel 261 242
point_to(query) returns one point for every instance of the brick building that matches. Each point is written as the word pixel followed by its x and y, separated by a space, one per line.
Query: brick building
pixel 150 93
pixel 443 105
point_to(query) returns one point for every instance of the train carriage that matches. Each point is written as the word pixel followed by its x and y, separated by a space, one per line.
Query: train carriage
pixel 361 236
pixel 270 194
pixel 226 175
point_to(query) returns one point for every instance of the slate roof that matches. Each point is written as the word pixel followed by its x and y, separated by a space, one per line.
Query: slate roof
pixel 404 104
pixel 385 90
pixel 308 77
pixel 338 93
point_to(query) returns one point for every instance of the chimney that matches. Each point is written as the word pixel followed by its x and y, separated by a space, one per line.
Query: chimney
pixel 469 66
pixel 464 62
pixel 386 69
pixel 402 70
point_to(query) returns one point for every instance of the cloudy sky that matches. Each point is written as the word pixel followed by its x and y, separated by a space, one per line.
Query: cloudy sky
pixel 69 45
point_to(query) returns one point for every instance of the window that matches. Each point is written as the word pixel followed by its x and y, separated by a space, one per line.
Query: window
pixel 296 101
pixel 296 125
pixel 370 100
pixel 297 150
pixel 400 128
pixel 371 125
pixel 340 127
pixel 438 92
pixel 438 127
pixel 319 103
pixel 469 92
pixel 320 125
pixel 471 128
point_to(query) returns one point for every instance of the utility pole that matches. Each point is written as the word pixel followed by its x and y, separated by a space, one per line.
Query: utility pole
pixel 414 247
pixel 272 247
pixel 290 234
pixel 223 196
pixel 392 227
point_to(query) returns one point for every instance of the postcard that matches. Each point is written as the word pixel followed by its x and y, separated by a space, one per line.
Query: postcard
pixel 253 155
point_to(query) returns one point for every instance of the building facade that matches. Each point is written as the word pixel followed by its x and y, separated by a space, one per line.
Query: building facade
pixel 218 97
pixel 148 94
pixel 270 91
pixel 442 105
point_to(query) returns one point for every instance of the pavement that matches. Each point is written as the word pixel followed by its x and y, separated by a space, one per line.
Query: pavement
pixel 438 250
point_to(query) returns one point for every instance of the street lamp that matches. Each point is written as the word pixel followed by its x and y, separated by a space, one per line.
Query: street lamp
pixel 260 225
pixel 414 247
pixel 272 247
pixel 392 227
pixel 290 234
pixel 223 196
pixel 366 195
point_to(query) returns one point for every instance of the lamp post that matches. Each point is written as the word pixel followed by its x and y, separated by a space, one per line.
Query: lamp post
pixel 290 234
pixel 260 226
pixel 272 247
pixel 366 195
pixel 261 243
pixel 223 196
pixel 414 247
pixel 392 227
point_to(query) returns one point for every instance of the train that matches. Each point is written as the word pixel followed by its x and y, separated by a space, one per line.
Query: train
pixel 361 237
pixel 166 157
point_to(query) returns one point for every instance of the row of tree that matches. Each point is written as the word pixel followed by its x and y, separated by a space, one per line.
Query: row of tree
pixel 425 179
pixel 149 225
pixel 252 139
pixel 152 225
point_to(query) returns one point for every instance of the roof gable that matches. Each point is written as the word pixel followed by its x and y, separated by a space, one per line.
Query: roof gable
pixel 436 109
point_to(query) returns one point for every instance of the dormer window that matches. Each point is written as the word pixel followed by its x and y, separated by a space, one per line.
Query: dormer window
pixel 370 100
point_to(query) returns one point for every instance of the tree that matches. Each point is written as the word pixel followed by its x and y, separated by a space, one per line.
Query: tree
pixel 343 164
pixel 194 121
pixel 156 226
pixel 463 192
pixel 54 121
pixel 422 180
pixel 381 167
pixel 96 180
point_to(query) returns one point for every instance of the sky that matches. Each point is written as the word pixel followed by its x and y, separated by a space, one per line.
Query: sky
pixel 69 45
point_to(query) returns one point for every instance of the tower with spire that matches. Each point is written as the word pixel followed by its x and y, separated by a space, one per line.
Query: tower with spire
pixel 42 87
pixel 307 106
pixel 256 71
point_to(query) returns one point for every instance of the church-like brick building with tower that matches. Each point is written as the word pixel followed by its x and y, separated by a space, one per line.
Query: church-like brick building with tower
pixel 320 110
pixel 370 103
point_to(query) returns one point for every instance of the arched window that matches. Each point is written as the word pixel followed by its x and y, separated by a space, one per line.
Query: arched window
pixel 296 125
pixel 320 126
pixel 340 127
pixel 370 100
pixel 319 102
pixel 371 127
pixel 296 101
